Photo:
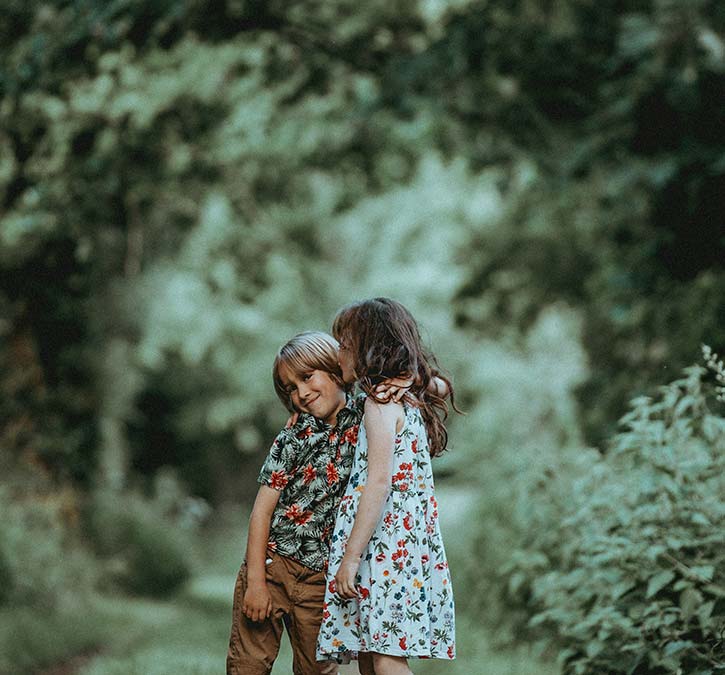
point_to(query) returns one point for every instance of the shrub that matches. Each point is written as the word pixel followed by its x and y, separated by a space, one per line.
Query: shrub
pixel 7 577
pixel 147 551
pixel 628 574
pixel 41 563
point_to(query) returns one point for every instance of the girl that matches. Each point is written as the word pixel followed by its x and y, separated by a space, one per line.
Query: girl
pixel 389 594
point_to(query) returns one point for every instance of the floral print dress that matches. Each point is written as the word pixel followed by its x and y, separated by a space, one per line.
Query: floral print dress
pixel 405 601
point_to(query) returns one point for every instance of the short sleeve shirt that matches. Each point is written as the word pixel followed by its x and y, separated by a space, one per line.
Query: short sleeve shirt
pixel 310 463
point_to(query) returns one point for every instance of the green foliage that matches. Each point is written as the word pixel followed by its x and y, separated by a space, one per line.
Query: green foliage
pixel 623 569
pixel 32 639
pixel 43 564
pixel 148 550
pixel 614 194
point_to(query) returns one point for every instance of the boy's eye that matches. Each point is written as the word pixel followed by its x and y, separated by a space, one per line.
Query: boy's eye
pixel 307 376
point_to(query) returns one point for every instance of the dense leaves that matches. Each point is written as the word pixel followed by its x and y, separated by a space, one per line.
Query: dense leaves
pixel 625 572
pixel 617 205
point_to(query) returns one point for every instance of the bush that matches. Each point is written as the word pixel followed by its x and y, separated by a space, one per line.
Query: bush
pixel 32 639
pixel 148 552
pixel 628 574
pixel 41 562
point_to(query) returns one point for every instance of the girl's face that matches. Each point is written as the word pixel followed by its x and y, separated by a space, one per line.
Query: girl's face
pixel 344 358
pixel 313 392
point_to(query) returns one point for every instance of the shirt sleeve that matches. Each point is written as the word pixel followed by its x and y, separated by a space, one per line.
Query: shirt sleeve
pixel 279 466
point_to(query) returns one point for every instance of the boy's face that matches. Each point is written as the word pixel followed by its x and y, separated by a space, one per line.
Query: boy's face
pixel 313 392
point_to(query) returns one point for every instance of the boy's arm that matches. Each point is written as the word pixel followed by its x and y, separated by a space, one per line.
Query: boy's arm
pixel 395 388
pixel 257 603
pixel 380 427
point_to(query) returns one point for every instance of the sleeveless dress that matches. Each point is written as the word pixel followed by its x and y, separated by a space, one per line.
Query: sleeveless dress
pixel 405 604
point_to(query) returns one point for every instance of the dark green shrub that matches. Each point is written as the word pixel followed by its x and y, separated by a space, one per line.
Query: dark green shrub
pixel 158 558
pixel 147 551
pixel 628 574
pixel 41 562
pixel 7 576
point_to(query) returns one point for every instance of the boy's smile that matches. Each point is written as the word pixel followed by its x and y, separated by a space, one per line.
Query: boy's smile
pixel 314 392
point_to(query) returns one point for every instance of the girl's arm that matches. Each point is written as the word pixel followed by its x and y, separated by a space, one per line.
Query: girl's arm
pixel 257 603
pixel 380 422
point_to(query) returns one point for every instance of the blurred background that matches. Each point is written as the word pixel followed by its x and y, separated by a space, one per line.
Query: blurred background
pixel 186 184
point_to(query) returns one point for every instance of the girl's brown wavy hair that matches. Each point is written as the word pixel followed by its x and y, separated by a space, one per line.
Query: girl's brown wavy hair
pixel 384 340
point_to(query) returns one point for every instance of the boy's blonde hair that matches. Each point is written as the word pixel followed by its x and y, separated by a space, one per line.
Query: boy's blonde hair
pixel 311 350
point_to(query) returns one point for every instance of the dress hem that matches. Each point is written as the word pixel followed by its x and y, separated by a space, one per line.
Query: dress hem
pixel 353 654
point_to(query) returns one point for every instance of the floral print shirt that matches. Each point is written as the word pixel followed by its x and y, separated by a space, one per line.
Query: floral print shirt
pixel 309 463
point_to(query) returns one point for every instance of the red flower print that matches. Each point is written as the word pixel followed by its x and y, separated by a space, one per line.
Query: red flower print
pixel 293 512
pixel 332 475
pixel 332 438
pixel 401 543
pixel 364 593
pixel 450 652
pixel 272 545
pixel 403 644
pixel 424 558
pixel 303 518
pixel 414 445
pixel 408 521
pixel 309 473
pixel 380 557
pixel 278 480
pixel 350 435
pixel 305 433
pixel 441 566
pixel 331 586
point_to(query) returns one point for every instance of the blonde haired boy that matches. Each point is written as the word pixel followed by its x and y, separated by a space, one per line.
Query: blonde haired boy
pixel 282 581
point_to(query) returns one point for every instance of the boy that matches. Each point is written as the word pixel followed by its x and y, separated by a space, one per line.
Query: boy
pixel 303 478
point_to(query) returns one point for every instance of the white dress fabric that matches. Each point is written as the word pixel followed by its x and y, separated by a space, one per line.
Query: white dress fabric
pixel 405 604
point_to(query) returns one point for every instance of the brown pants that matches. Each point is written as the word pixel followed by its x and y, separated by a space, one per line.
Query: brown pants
pixel 297 596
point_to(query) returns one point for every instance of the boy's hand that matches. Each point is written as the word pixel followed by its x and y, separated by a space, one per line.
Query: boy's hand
pixel 292 420
pixel 257 605
pixel 393 389
pixel 345 578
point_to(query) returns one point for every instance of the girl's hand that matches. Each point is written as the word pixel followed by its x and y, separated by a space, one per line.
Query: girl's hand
pixel 257 604
pixel 292 420
pixel 345 578
pixel 393 389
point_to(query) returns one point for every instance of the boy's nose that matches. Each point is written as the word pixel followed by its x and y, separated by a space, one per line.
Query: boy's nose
pixel 304 392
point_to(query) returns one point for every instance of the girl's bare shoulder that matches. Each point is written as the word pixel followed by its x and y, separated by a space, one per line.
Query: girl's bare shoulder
pixel 387 413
